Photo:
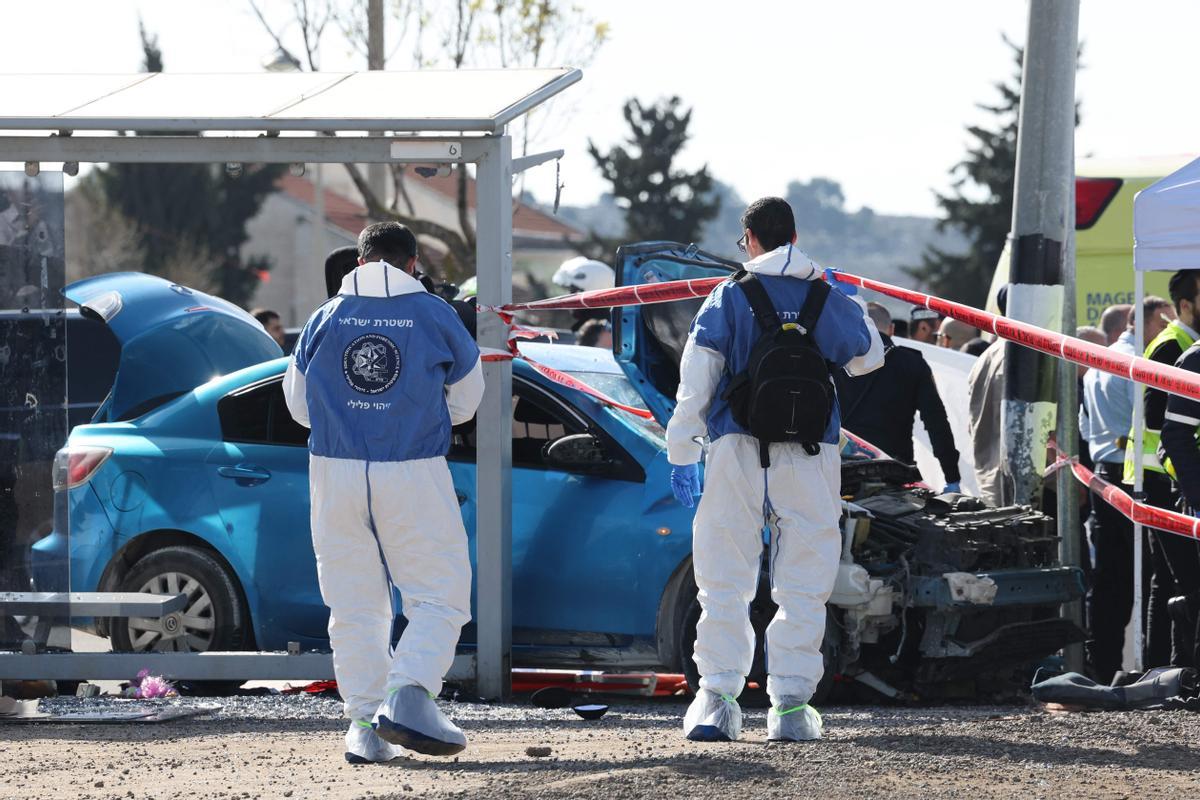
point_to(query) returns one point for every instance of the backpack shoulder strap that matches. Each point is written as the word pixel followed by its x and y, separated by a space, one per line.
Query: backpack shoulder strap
pixel 760 303
pixel 814 304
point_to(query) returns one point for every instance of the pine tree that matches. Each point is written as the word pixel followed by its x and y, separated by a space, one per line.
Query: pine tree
pixel 660 201
pixel 983 218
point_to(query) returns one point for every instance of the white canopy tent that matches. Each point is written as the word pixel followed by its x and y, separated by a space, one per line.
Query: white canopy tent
pixel 1166 237
pixel 452 117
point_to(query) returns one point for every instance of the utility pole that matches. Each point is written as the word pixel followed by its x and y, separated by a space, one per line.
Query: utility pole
pixel 1042 274
pixel 376 173
pixel 1043 198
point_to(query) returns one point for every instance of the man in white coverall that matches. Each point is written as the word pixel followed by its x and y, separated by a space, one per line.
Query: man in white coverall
pixel 797 495
pixel 380 373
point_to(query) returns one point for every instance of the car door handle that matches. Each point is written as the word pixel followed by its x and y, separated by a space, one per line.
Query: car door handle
pixel 245 474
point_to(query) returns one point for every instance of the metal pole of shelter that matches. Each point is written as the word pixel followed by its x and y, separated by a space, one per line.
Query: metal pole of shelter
pixel 493 521
pixel 1139 425
pixel 1067 435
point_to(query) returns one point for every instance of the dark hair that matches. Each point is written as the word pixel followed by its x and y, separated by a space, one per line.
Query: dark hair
pixel 771 221
pixel 338 264
pixel 590 331
pixel 387 241
pixel 1183 286
pixel 975 346
pixel 264 316
pixel 1151 304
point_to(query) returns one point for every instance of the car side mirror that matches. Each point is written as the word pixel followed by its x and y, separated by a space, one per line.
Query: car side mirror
pixel 580 452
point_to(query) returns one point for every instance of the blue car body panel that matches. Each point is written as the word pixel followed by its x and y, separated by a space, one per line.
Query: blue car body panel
pixel 591 554
pixel 172 337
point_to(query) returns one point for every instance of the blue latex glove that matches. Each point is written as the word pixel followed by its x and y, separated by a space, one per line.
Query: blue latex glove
pixel 848 289
pixel 685 484
pixel 952 488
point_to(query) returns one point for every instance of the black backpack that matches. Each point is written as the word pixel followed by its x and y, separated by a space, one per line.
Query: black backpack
pixel 786 392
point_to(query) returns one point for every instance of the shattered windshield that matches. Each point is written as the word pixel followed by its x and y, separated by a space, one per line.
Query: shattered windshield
pixel 618 387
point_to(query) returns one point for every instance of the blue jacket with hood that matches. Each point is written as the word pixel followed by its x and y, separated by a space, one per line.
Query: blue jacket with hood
pixel 382 370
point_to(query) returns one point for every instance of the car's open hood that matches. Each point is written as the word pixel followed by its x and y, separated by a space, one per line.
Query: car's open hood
pixel 172 338
pixel 649 339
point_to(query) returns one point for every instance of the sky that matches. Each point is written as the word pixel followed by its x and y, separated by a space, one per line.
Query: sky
pixel 874 94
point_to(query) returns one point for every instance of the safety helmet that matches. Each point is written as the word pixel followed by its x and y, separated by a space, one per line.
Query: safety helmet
pixel 468 288
pixel 584 274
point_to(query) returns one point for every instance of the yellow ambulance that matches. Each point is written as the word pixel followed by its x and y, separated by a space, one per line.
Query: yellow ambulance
pixel 1104 191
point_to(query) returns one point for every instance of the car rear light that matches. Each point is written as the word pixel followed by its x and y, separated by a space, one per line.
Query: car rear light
pixel 1092 196
pixel 75 465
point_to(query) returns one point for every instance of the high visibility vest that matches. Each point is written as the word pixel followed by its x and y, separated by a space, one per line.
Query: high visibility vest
pixel 1151 437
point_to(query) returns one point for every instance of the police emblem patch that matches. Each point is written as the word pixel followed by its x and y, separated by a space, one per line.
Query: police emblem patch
pixel 371 363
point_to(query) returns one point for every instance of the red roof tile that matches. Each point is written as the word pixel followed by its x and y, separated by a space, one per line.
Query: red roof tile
pixel 351 216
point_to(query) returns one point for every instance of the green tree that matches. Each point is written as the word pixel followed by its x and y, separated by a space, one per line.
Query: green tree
pixel 191 218
pixel 979 205
pixel 660 200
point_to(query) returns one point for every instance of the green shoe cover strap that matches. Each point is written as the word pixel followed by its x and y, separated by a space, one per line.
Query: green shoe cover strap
pixel 362 723
pixel 793 709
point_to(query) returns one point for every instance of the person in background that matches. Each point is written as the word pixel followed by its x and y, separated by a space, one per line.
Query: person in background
pixel 581 274
pixel 974 347
pixel 985 399
pixel 271 324
pixel 338 264
pixel 900 328
pixel 1171 330
pixel 954 334
pixel 923 326
pixel 1105 414
pixel 881 406
pixel 1180 435
pixel 595 333
pixel 1114 320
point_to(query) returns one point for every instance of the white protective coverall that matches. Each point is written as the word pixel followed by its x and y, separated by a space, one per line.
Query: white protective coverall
pixel 379 374
pixel 803 491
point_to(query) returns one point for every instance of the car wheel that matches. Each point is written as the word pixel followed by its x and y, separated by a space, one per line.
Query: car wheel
pixel 762 610
pixel 215 617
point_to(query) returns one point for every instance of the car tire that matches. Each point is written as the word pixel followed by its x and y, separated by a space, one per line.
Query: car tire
pixel 762 610
pixel 214 619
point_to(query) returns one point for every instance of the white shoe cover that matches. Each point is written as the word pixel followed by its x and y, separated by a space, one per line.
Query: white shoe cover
pixel 410 718
pixel 793 721
pixel 713 718
pixel 363 746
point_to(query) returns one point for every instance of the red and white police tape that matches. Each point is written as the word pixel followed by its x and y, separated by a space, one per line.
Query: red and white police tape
pixel 517 332
pixel 1135 511
pixel 1160 376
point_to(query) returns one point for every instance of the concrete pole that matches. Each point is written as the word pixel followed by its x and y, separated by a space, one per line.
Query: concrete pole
pixel 1041 209
pixel 377 174
pixel 493 449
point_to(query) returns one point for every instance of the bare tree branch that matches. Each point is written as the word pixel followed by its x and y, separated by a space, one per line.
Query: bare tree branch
pixel 461 257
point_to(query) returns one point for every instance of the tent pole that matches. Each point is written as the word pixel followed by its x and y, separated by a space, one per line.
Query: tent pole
pixel 493 482
pixel 1139 424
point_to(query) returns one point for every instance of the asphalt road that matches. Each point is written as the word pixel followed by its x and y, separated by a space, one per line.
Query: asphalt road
pixel 268 747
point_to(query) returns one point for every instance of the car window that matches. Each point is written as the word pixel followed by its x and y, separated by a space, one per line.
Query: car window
pixel 258 414
pixel 537 421
pixel 93 353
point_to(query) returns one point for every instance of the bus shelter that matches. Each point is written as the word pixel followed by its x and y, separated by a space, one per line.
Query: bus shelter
pixel 55 122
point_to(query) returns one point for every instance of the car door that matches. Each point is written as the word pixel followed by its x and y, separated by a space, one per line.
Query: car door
pixel 648 339
pixel 259 475
pixel 566 526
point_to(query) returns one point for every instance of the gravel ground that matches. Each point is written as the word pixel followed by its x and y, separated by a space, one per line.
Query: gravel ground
pixel 268 747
